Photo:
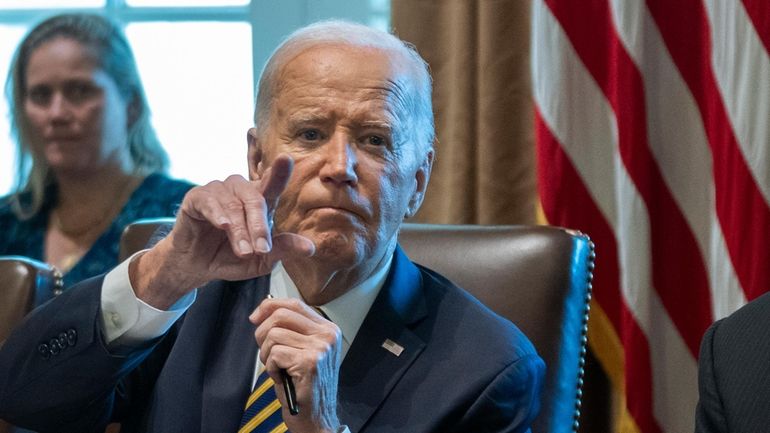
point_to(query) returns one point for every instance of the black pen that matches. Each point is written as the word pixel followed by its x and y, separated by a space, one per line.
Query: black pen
pixel 288 386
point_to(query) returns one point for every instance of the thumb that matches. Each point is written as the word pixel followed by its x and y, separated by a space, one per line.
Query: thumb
pixel 292 245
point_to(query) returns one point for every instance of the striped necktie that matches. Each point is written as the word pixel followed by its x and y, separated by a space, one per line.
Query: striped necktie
pixel 263 409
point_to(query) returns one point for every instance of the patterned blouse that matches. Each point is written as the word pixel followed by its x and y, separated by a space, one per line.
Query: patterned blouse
pixel 156 196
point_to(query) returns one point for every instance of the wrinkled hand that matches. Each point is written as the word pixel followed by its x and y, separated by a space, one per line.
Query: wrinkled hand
pixel 294 337
pixel 222 231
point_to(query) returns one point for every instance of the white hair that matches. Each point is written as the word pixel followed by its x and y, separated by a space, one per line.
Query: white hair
pixel 418 105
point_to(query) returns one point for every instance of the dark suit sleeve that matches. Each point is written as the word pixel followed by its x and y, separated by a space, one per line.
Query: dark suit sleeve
pixel 56 373
pixel 510 402
pixel 709 415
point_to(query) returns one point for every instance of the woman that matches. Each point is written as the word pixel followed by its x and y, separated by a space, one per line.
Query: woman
pixel 90 160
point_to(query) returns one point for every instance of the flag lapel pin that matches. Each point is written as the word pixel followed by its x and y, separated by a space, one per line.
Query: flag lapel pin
pixel 392 347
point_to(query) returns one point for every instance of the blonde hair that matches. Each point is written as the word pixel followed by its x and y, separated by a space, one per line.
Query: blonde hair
pixel 114 57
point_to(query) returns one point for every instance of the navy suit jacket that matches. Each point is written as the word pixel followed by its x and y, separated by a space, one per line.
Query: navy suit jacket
pixel 734 372
pixel 463 368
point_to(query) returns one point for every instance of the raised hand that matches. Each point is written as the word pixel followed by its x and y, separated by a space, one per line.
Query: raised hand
pixel 222 231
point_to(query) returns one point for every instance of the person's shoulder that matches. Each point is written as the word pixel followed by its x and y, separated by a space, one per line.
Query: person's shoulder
pixel 14 229
pixel 746 331
pixel 6 209
pixel 161 183
pixel 481 326
pixel 157 196
pixel 754 316
pixel 5 203
pixel 160 187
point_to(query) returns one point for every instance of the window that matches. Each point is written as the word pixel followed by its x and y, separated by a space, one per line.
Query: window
pixel 199 61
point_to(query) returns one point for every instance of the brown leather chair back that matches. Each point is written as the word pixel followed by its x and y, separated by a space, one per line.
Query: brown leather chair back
pixel 538 277
pixel 20 279
pixel 137 235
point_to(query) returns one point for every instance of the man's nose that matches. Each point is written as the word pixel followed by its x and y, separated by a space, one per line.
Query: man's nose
pixel 341 161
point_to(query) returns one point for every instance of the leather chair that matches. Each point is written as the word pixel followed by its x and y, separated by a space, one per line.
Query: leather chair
pixel 539 277
pixel 20 279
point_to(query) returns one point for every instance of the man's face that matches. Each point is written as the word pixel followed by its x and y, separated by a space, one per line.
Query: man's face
pixel 338 112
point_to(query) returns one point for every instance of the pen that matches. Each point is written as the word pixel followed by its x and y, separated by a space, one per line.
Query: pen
pixel 288 386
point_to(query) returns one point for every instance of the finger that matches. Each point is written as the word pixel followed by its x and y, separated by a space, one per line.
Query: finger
pixel 280 365
pixel 269 306
pixel 285 358
pixel 276 337
pixel 288 319
pixel 199 205
pixel 215 204
pixel 275 179
pixel 253 207
pixel 286 245
pixel 238 198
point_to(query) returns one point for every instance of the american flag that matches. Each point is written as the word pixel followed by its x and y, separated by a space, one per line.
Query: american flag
pixel 652 133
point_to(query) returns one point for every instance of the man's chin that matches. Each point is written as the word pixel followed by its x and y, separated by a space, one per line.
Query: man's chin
pixel 342 247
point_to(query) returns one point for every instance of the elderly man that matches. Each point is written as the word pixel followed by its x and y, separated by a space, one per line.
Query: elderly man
pixel 178 337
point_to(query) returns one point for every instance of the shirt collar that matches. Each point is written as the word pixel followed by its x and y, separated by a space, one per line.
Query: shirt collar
pixel 349 310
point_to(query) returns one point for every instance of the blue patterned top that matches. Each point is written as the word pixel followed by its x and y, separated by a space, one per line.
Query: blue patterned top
pixel 156 196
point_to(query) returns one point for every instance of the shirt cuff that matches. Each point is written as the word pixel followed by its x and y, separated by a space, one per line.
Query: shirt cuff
pixel 129 321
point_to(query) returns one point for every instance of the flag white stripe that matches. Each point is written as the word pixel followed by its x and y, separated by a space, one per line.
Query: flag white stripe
pixel 674 370
pixel 579 116
pixel 678 141
pixel 742 71
pixel 565 94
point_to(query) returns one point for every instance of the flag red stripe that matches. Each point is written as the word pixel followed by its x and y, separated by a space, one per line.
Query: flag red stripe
pixel 742 210
pixel 758 13
pixel 567 202
pixel 685 295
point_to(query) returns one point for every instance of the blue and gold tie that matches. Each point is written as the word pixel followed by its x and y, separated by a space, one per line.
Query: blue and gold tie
pixel 263 409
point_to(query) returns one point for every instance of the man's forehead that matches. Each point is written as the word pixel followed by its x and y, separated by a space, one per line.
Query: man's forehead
pixel 359 113
pixel 336 60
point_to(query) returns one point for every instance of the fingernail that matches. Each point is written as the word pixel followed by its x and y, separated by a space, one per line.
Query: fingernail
pixel 245 247
pixel 262 245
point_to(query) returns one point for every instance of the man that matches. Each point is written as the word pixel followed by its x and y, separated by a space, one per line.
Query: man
pixel 341 154
pixel 733 378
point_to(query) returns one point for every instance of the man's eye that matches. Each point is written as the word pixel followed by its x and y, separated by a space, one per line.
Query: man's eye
pixel 310 135
pixel 375 140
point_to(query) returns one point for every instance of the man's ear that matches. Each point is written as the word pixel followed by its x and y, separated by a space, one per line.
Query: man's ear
pixel 422 175
pixel 255 154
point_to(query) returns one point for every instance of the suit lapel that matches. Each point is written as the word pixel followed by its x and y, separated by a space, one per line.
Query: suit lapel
pixel 369 371
pixel 230 364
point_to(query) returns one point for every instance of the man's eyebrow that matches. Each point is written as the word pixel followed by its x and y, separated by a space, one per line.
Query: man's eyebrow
pixel 298 119
pixel 381 124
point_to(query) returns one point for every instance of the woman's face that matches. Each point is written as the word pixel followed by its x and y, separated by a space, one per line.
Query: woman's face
pixel 76 114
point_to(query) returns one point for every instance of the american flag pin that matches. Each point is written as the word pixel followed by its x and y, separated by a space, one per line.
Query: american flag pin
pixel 392 347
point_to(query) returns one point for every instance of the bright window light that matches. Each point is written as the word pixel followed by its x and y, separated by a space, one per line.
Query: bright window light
pixel 40 4
pixel 199 82
pixel 197 72
pixel 186 3
pixel 9 38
